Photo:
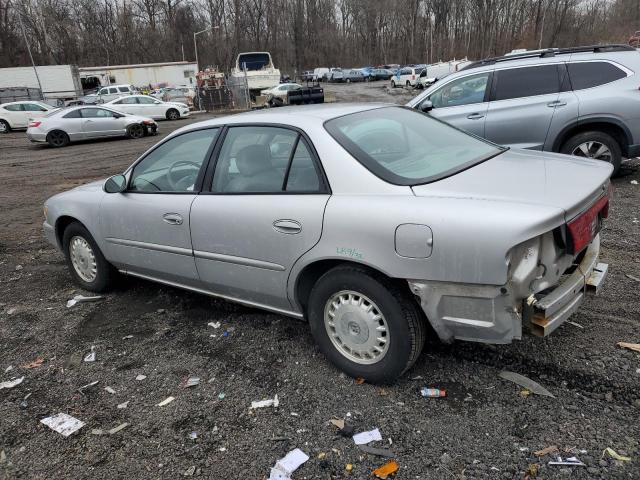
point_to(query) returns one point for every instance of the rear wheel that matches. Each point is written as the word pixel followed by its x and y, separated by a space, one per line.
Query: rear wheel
pixel 85 261
pixel 408 84
pixel 393 84
pixel 173 114
pixel 58 138
pixel 365 324
pixel 596 145
pixel 4 127
pixel 135 131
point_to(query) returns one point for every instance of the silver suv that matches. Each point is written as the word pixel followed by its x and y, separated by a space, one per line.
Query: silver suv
pixel 581 101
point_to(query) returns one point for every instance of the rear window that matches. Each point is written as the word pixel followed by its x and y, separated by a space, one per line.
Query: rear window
pixel 406 147
pixel 592 74
pixel 526 82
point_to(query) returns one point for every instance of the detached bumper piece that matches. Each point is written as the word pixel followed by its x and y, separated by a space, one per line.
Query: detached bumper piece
pixel 547 312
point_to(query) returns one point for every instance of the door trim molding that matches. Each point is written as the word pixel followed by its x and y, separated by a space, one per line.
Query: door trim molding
pixel 150 246
pixel 248 262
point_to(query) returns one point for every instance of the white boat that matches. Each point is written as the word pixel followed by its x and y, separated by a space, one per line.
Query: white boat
pixel 259 69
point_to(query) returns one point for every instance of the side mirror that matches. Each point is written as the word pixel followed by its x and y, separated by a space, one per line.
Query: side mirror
pixel 426 106
pixel 115 184
pixel 157 102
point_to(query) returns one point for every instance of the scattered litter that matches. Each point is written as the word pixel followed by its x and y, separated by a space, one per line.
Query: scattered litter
pixel 214 324
pixel 8 369
pixel 24 403
pixel 632 277
pixel 222 449
pixel 613 454
pixel 193 435
pixel 288 464
pixel 359 381
pixel 366 437
pixel 63 424
pixel 322 455
pixel 127 337
pixel 433 392
pixel 631 346
pixel 295 414
pixel 12 310
pixel 348 467
pixel 271 402
pixel 532 471
pixel 382 392
pixel 166 401
pixel 141 377
pixel 82 299
pixel 575 324
pixel 11 383
pixel 97 431
pixel 122 426
pixel 190 471
pixel 526 383
pixel 525 393
pixel 387 469
pixel 546 451
pixel 88 385
pixel 338 423
pixel 91 356
pixel 123 405
pixel 634 182
pixel 35 364
pixel 417 377
pixel 380 452
pixel 572 461
pixel 19 267
pixel 110 390
pixel 3 456
pixel 221 396
pixel 190 382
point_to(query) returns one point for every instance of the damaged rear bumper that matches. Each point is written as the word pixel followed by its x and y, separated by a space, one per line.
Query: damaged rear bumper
pixel 491 314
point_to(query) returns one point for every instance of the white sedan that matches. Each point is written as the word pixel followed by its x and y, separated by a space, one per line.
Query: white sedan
pixel 150 107
pixel 277 95
pixel 17 114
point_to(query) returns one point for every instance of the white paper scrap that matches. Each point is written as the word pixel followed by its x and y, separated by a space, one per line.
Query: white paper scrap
pixel 110 390
pixel 166 401
pixel 81 299
pixel 11 383
pixel 271 402
pixel 290 462
pixel 366 437
pixel 214 324
pixel 63 424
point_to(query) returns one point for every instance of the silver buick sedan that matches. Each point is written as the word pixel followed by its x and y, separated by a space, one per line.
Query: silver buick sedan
pixel 82 123
pixel 369 221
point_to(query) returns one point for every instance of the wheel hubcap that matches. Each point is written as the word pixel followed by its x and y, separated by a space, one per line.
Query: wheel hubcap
pixel 596 150
pixel 83 259
pixel 3 127
pixel 356 327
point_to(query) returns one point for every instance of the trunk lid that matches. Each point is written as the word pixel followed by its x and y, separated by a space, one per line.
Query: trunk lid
pixel 531 177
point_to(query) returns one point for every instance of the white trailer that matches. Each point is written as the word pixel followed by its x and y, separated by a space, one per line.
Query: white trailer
pixel 56 81
pixel 156 75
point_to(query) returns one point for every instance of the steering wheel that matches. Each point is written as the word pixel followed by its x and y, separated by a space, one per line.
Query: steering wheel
pixel 185 181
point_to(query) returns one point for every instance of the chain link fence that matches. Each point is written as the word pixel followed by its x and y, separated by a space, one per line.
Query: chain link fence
pixel 226 94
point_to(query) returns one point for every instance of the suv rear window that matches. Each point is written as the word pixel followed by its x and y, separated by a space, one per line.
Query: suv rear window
pixel 592 74
pixel 526 82
pixel 406 147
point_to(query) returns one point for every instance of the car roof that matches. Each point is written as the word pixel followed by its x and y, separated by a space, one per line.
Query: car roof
pixel 39 102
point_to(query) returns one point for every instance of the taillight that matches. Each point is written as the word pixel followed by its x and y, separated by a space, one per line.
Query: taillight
pixel 34 124
pixel 584 228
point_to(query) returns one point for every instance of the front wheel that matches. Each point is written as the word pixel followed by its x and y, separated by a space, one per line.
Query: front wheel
pixel 85 261
pixel 135 131
pixel 596 145
pixel 173 114
pixel 365 324
pixel 393 84
pixel 4 127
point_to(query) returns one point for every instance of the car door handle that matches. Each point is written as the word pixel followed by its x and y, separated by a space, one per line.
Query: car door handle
pixel 287 226
pixel 557 103
pixel 172 218
pixel 475 116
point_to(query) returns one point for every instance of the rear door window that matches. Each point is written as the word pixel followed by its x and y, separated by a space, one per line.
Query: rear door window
pixel 526 82
pixel 591 74
pixel 17 107
pixel 124 89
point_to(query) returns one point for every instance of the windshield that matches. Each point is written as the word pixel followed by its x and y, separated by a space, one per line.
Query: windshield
pixel 253 61
pixel 406 147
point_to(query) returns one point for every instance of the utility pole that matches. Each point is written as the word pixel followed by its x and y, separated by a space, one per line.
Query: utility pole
pixel 195 43
pixel 35 70
pixel 544 13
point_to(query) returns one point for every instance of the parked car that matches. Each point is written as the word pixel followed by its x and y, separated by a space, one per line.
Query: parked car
pixel 381 74
pixel 319 74
pixel 580 101
pixel 406 77
pixel 111 92
pixel 424 80
pixel 63 126
pixel 277 96
pixel 16 115
pixel 149 107
pixel 334 75
pixel 351 217
pixel 352 75
pixel 306 76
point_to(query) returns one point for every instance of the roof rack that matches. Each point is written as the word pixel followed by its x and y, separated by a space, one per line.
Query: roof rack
pixel 550 52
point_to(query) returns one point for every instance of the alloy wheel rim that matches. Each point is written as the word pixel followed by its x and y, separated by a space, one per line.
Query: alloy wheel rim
pixel 57 138
pixel 83 259
pixel 356 327
pixel 136 131
pixel 595 150
pixel 3 127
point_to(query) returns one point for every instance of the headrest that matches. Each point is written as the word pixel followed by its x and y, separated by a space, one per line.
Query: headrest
pixel 253 159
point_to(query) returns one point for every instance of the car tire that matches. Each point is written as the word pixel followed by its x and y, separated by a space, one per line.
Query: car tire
pixel 400 318
pixel 57 138
pixel 135 131
pixel 586 144
pixel 85 261
pixel 408 84
pixel 4 126
pixel 173 114
pixel 393 84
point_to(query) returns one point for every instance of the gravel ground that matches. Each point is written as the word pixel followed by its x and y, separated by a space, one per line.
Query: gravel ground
pixel 484 428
